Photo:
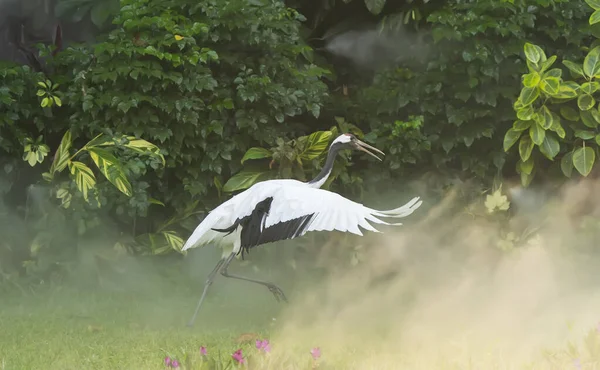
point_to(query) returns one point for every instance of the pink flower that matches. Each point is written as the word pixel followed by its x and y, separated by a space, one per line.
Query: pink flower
pixel 315 352
pixel 167 361
pixel 237 355
pixel 264 345
pixel 175 364
pixel 203 351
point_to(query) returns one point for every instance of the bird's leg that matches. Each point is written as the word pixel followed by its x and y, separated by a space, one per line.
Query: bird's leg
pixel 208 283
pixel 277 292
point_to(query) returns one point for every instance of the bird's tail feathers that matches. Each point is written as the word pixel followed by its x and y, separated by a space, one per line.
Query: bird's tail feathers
pixel 402 211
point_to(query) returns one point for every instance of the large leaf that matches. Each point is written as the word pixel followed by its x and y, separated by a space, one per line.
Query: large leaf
pixel 528 95
pixel 550 147
pixel 510 138
pixel 111 168
pixel 525 147
pixel 174 240
pixel 594 4
pixel 583 160
pixel 585 102
pixel 243 180
pixel 595 17
pixel 534 53
pixel 550 85
pixel 574 67
pixel 537 134
pixel 61 157
pixel 588 119
pixel 131 142
pixel 256 153
pixel 375 6
pixel 531 79
pixel 316 144
pixel 591 63
pixel 84 177
pixel 566 164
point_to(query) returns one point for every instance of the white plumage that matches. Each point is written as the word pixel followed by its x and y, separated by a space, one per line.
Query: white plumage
pixel 291 200
pixel 285 209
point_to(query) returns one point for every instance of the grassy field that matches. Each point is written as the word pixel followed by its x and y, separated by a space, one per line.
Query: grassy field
pixel 439 313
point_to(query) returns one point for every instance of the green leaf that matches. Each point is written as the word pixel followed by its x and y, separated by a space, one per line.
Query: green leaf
pixel 529 95
pixel 585 134
pixel 591 63
pixel 510 138
pixel 537 134
pixel 526 166
pixel 375 6
pixel 594 4
pixel 111 168
pixel 534 53
pixel 569 113
pixel 546 117
pixel 595 17
pixel 45 102
pixel 525 113
pixel 550 85
pixel 585 102
pixel 243 180
pixel 550 61
pixel 57 100
pixel 155 201
pixel 256 153
pixel 531 79
pixel 574 67
pixel 590 87
pixel 525 147
pixel 554 72
pixel 316 144
pixel 520 125
pixel 174 240
pixel 84 177
pixel 583 160
pixel 62 157
pixel 133 143
pixel 598 139
pixel 566 164
pixel 557 126
pixel 588 119
pixel 550 147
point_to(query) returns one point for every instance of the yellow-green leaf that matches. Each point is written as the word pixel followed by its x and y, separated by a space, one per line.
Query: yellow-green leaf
pixel 591 63
pixel 594 4
pixel 111 168
pixel 550 85
pixel 525 147
pixel 595 17
pixel 531 79
pixel 588 119
pixel 57 100
pixel 534 53
pixel 174 240
pixel 84 177
pixel 546 117
pixel 61 157
pixel 243 180
pixel 585 102
pixel 520 125
pixel 537 134
pixel 45 102
pixel 583 160
pixel 528 95
pixel 316 144
pixel 510 138
pixel 526 166
pixel 256 153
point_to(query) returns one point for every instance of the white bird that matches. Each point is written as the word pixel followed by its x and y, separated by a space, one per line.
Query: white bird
pixel 275 210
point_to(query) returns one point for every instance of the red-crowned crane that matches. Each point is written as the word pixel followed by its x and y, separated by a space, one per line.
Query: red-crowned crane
pixel 275 210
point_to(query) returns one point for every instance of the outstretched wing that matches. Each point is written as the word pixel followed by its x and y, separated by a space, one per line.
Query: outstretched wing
pixel 290 212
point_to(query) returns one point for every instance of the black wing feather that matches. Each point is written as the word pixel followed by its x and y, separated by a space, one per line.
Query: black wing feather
pixel 254 233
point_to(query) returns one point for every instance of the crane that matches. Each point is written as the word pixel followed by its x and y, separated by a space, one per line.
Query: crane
pixel 283 209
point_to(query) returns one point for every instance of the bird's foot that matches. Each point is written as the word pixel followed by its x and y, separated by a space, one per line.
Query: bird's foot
pixel 278 293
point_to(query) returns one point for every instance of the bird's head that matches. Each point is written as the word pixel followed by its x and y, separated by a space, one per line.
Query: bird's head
pixel 349 141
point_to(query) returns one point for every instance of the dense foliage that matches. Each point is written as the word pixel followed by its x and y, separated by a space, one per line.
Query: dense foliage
pixel 230 92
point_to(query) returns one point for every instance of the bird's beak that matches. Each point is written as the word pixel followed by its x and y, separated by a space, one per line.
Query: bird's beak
pixel 362 146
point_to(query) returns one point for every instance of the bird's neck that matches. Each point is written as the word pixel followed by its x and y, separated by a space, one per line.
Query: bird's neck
pixel 322 177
